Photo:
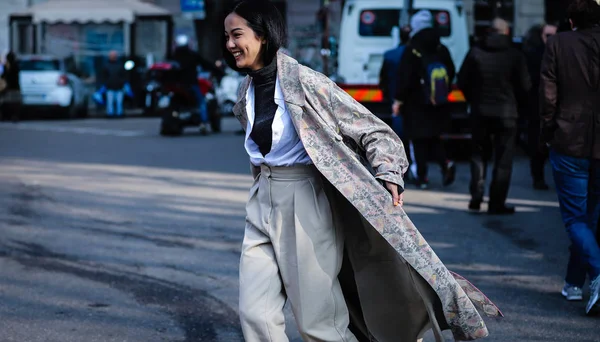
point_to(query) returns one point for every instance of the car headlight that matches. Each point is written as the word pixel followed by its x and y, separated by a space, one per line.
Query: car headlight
pixel 164 102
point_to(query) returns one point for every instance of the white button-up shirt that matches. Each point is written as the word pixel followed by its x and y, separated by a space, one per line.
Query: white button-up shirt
pixel 286 148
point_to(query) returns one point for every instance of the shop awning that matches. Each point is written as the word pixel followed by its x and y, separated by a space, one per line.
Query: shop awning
pixel 91 11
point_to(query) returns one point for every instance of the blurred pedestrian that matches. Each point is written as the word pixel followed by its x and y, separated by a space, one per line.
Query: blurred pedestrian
pixel 387 83
pixel 314 210
pixel 534 50
pixel 10 90
pixel 424 77
pixel 189 61
pixel 570 91
pixel 114 81
pixel 389 68
pixel 494 79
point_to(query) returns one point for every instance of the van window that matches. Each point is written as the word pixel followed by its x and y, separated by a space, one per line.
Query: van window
pixel 379 22
pixel 39 65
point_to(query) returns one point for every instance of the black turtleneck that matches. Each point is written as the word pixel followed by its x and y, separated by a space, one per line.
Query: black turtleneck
pixel 264 105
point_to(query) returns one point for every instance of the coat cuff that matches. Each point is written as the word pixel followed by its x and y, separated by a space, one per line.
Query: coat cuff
pixel 392 178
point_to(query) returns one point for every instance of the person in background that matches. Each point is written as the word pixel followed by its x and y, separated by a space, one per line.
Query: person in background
pixel 114 81
pixel 387 83
pixel 11 94
pixel 534 50
pixel 189 61
pixel 569 103
pixel 425 73
pixel 494 78
pixel 389 68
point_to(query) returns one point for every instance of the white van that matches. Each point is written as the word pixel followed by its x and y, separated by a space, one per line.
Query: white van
pixel 366 33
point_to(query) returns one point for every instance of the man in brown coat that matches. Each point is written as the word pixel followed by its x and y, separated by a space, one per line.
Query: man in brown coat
pixel 570 116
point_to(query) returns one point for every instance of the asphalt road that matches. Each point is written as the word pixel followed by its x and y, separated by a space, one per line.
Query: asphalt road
pixel 109 232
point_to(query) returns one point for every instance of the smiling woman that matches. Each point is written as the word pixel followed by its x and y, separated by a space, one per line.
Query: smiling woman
pixel 321 229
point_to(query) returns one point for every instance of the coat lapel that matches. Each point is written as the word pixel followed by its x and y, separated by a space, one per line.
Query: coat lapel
pixel 239 109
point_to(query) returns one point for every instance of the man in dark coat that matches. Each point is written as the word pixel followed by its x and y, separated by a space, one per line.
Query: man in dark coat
pixel 494 78
pixel 423 123
pixel 534 50
pixel 570 126
pixel 114 80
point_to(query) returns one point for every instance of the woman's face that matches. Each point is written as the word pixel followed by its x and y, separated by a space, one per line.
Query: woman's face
pixel 243 43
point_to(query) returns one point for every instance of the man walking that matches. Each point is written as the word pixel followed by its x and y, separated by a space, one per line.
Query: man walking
pixel 387 83
pixel 115 79
pixel 424 76
pixel 493 77
pixel 570 126
pixel 534 52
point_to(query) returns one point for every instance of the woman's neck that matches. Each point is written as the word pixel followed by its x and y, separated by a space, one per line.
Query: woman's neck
pixel 266 74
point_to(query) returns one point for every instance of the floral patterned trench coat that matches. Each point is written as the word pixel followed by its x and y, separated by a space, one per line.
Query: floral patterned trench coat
pixel 395 286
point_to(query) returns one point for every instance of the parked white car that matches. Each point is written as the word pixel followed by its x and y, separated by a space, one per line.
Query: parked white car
pixel 49 82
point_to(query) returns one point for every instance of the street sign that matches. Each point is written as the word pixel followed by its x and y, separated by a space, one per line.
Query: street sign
pixel 193 9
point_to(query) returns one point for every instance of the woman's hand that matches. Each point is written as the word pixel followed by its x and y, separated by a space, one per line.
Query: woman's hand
pixel 397 199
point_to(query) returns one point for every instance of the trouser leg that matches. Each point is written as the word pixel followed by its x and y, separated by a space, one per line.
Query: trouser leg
pixel 504 150
pixel 421 149
pixel 480 155
pixel 309 249
pixel 572 178
pixel 262 297
pixel 110 102
pixel 537 158
pixel 119 98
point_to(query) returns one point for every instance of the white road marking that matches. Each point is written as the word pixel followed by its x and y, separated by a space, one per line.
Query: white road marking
pixel 77 130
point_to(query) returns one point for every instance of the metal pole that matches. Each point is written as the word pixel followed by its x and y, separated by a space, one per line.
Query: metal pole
pixel 406 10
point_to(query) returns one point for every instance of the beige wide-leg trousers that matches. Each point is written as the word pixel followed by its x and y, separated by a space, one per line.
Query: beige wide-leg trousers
pixel 292 251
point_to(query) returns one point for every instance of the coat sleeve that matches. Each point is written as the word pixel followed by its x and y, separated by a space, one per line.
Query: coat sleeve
pixel 383 148
pixel 548 92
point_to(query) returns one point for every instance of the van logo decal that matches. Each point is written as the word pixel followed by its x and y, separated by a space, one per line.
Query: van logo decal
pixel 367 17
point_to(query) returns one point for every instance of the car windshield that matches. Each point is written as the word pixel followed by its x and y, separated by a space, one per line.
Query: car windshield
pixel 379 22
pixel 39 65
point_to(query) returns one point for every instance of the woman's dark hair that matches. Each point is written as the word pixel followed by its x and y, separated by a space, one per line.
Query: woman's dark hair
pixel 584 13
pixel 265 20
